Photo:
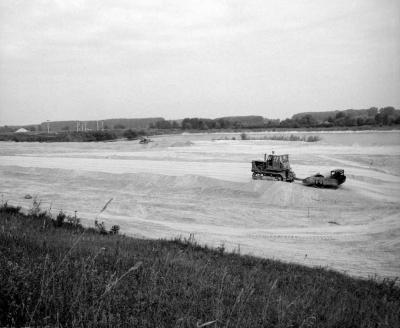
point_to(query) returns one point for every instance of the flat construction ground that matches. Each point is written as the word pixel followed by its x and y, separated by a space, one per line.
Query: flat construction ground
pixel 192 184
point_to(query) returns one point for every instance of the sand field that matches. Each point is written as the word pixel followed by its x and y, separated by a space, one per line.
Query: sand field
pixel 191 184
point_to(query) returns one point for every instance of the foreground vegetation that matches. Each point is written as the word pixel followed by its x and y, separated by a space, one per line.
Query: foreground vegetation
pixel 54 272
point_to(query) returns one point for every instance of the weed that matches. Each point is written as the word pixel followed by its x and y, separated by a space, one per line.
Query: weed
pixel 114 230
pixel 60 219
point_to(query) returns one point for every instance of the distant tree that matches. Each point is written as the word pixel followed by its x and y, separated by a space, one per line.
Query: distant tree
pixel 287 123
pixel 119 126
pixel 350 121
pixel 224 124
pixel 131 134
pixel 379 119
pixel 307 121
pixel 237 125
pixel 203 125
pixel 372 111
pixel 370 121
pixel 175 125
pixel 162 124
pixel 360 121
pixel 387 111
pixel 340 115
pixel 186 124
pixel 65 128
pixel 387 115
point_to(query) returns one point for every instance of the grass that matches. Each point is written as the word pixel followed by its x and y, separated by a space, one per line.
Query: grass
pixel 64 275
pixel 284 137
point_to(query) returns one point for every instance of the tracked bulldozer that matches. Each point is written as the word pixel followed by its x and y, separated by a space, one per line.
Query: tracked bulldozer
pixel 277 167
pixel 273 167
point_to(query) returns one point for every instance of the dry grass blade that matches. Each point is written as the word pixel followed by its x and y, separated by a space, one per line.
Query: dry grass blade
pixel 105 206
pixel 112 284
pixel 198 325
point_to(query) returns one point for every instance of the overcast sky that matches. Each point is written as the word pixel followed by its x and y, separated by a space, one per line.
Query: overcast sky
pixel 97 59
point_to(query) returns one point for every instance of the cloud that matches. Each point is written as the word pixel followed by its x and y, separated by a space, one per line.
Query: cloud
pixel 192 56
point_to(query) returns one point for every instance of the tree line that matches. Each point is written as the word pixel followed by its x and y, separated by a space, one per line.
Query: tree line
pixel 385 116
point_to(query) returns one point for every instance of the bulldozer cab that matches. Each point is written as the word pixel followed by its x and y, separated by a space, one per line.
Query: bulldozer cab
pixel 337 173
pixel 278 161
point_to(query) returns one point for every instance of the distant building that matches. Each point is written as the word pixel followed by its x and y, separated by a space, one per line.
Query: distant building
pixel 21 130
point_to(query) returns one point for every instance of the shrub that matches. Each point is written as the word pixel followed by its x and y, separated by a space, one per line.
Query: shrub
pixel 35 209
pixel 60 219
pixel 74 220
pixel 5 208
pixel 100 227
pixel 313 138
pixel 114 230
pixel 244 136
pixel 131 134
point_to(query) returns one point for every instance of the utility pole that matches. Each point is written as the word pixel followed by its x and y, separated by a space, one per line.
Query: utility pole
pixel 48 126
pixel 97 125
pixel 102 126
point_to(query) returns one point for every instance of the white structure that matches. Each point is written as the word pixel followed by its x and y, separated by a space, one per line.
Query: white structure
pixel 21 130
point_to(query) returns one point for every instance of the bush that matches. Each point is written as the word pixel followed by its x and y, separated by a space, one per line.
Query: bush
pixel 313 139
pixel 114 230
pixel 60 219
pixel 5 208
pixel 131 134
pixel 100 227
pixel 244 136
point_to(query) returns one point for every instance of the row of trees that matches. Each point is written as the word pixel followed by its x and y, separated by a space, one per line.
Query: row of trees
pixel 202 124
pixel 371 117
pixel 374 117
pixel 385 116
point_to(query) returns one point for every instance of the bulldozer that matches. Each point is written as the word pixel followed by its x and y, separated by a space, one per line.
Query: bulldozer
pixel 275 167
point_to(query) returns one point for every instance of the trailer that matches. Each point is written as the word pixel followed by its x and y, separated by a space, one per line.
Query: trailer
pixel 334 180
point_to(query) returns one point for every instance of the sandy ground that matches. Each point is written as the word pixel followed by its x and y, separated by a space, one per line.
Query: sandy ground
pixel 180 185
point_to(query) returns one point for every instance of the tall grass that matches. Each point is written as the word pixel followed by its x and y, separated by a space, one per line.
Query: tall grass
pixel 285 137
pixel 68 276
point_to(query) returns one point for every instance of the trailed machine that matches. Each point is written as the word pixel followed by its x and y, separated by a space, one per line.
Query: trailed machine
pixel 335 179
pixel 275 167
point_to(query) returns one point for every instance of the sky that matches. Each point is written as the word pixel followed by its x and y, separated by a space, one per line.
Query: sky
pixel 98 59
